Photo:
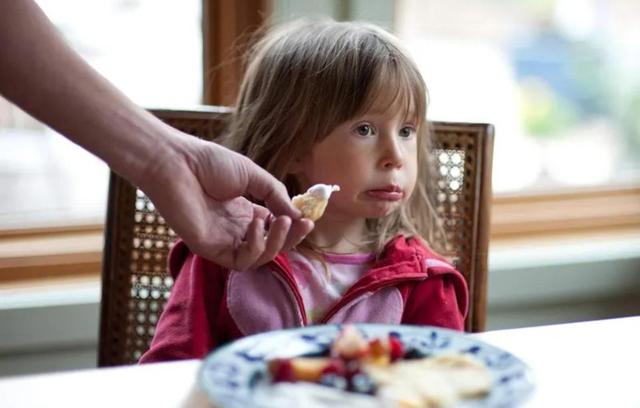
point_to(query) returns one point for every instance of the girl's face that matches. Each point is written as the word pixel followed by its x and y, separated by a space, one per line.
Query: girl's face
pixel 372 157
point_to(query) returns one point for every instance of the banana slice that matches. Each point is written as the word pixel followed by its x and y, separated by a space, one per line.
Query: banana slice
pixel 313 203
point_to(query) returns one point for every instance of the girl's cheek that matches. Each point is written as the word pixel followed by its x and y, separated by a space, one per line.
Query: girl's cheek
pixel 410 192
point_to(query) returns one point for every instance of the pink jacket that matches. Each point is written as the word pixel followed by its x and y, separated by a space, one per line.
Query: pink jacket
pixel 210 305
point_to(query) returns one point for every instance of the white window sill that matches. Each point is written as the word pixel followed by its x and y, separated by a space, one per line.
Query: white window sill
pixel 564 270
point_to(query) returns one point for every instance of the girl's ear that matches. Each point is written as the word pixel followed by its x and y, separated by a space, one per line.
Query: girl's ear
pixel 295 167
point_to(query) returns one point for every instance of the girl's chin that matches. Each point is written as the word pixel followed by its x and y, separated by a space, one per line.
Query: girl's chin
pixel 368 210
pixel 381 210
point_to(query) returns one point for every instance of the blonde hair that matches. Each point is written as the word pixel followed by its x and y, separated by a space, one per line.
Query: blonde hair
pixel 307 77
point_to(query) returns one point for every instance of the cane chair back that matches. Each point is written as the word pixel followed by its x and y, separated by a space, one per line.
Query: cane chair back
pixel 135 282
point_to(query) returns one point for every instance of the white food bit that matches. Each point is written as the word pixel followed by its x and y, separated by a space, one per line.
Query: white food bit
pixel 313 203
pixel 322 191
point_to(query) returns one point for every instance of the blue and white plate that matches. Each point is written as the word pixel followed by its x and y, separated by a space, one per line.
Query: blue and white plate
pixel 234 375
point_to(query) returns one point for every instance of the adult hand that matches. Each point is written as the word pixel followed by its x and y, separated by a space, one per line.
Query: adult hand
pixel 198 188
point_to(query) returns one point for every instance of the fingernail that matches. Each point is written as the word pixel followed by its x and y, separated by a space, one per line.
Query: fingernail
pixel 269 220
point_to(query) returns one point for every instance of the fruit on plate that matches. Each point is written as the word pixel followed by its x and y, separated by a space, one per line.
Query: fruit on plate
pixel 342 368
pixel 384 368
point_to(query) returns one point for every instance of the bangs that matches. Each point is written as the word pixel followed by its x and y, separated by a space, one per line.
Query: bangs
pixel 354 67
pixel 401 88
pixel 395 77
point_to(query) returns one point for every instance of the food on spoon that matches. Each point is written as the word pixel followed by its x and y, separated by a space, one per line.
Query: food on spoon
pixel 384 369
pixel 313 203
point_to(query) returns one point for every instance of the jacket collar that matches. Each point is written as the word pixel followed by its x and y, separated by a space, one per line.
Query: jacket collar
pixel 402 259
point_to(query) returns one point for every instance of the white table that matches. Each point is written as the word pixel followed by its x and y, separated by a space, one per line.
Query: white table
pixel 590 364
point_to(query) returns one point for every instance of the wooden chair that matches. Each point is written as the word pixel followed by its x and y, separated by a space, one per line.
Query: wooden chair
pixel 135 285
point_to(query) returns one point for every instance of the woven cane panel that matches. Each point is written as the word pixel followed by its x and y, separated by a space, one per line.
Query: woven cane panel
pixel 141 286
pixel 455 161
pixel 151 241
pixel 150 284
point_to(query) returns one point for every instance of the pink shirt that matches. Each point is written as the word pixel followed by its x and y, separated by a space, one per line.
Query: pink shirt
pixel 322 284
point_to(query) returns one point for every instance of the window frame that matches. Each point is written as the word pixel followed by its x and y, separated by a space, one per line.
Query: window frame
pixel 586 211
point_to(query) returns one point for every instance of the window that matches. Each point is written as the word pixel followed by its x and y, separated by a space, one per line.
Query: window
pixel 492 61
pixel 559 79
pixel 150 49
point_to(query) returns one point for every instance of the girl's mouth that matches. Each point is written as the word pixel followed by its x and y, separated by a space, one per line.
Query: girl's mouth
pixel 387 193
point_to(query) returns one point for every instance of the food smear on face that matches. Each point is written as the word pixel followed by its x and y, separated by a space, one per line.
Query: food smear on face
pixel 386 372
pixel 313 203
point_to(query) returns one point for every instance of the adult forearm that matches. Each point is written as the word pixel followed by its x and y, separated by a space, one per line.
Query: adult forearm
pixel 196 185
pixel 40 73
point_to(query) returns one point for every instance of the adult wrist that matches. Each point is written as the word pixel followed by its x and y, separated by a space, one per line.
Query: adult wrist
pixel 161 162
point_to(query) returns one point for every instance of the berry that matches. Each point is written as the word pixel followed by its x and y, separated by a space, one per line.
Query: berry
pixel 352 367
pixel 333 381
pixel 363 384
pixel 281 370
pixel 414 354
pixel 396 350
pixel 334 366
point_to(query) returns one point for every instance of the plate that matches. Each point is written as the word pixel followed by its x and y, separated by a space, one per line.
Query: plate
pixel 236 375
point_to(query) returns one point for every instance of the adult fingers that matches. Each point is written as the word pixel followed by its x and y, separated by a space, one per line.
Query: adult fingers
pixel 261 212
pixel 299 229
pixel 265 187
pixel 275 239
pixel 249 251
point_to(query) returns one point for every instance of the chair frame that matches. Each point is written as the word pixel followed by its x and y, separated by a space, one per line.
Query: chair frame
pixel 477 276
pixel 119 229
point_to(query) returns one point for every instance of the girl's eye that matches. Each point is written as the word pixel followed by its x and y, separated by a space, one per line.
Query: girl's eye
pixel 406 131
pixel 364 130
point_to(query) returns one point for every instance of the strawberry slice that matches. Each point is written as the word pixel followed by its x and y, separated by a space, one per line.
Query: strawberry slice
pixel 396 350
pixel 334 366
pixel 281 370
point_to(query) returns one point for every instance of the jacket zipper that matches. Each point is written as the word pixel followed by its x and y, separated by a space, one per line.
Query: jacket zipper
pixel 348 301
pixel 296 299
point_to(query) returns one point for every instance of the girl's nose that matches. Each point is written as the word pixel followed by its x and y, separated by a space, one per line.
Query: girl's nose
pixel 391 157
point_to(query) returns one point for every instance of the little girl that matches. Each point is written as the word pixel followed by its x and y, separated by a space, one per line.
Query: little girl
pixel 341 104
